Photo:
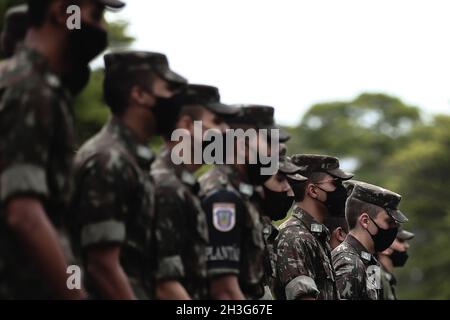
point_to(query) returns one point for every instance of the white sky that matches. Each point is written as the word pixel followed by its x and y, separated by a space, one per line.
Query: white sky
pixel 293 53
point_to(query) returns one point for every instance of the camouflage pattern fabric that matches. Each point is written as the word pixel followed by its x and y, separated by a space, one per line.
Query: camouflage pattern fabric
pixel 303 259
pixel 36 148
pixel 388 282
pixel 181 230
pixel 114 201
pixel 357 271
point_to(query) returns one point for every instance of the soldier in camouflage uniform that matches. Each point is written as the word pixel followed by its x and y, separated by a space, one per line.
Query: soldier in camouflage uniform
pixel 231 198
pixel 373 218
pixel 14 30
pixel 336 224
pixel 276 201
pixel 180 224
pixel 113 206
pixel 303 256
pixel 36 126
pixel 393 257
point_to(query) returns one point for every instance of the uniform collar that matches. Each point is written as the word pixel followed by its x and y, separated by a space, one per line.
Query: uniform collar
pixel 317 229
pixel 143 154
pixel 367 257
pixel 237 181
pixel 389 275
pixel 180 170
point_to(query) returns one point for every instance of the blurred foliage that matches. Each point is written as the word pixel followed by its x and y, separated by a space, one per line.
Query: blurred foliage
pixel 364 130
pixel 422 173
pixel 389 144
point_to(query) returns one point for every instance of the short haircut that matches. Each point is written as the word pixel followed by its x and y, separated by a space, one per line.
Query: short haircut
pixel 299 188
pixel 354 208
pixel 117 88
pixel 193 111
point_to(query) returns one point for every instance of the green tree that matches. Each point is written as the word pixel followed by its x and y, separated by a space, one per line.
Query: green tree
pixel 422 173
pixel 365 130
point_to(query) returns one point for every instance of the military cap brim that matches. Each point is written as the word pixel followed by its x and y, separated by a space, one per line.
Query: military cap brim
pixel 287 167
pixel 397 215
pixel 338 173
pixel 405 235
pixel 113 4
pixel 173 78
pixel 222 109
pixel 283 135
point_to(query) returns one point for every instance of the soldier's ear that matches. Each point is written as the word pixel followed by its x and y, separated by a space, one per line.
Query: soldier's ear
pixel 340 234
pixel 140 97
pixel 364 220
pixel 311 191
pixel 185 122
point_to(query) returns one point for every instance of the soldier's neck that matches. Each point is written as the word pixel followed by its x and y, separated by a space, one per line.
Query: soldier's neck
pixel 310 207
pixel 137 122
pixel 191 166
pixel 50 47
pixel 242 169
pixel 364 238
pixel 386 261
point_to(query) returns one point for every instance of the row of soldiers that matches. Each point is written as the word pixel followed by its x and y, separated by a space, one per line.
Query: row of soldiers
pixel 151 226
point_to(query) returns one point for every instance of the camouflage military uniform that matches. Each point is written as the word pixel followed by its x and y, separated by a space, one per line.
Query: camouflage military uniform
pixel 303 259
pixel 270 232
pixel 235 229
pixel 114 203
pixel 357 271
pixel 36 148
pixel 388 283
pixel 180 227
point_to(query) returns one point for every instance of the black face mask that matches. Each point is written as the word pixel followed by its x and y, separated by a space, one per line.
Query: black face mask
pixel 87 43
pixel 166 111
pixel 384 237
pixel 276 205
pixel 76 82
pixel 335 202
pixel 399 258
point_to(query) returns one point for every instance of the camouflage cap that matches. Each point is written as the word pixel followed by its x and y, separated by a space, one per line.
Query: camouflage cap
pixel 261 117
pixel 117 63
pixel 380 197
pixel 404 234
pixel 310 163
pixel 208 97
pixel 288 168
pixel 14 28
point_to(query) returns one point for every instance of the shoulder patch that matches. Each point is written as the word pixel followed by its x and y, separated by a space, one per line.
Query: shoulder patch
pixel 224 216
